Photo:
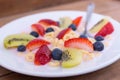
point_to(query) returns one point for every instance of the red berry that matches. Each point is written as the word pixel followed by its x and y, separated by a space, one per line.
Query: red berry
pixel 48 22
pixel 36 43
pixel 63 32
pixel 80 43
pixel 38 28
pixel 106 30
pixel 77 21
pixel 42 56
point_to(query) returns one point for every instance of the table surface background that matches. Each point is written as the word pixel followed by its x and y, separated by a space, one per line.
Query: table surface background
pixel 105 7
pixel 10 7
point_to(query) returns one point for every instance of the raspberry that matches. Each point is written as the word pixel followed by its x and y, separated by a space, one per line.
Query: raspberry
pixel 42 56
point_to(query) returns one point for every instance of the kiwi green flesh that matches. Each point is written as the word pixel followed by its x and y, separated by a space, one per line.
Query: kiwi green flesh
pixel 71 57
pixel 65 22
pixel 17 39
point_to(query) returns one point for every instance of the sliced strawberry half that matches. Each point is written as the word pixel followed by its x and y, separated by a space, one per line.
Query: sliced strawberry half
pixel 38 28
pixel 106 30
pixel 63 32
pixel 77 21
pixel 42 56
pixel 48 22
pixel 80 43
pixel 36 43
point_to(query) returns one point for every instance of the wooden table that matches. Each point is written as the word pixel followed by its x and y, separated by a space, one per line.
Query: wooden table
pixel 105 7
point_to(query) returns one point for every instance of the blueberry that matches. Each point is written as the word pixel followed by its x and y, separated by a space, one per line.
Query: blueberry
pixel 35 34
pixel 99 38
pixel 58 23
pixel 73 27
pixel 21 48
pixel 98 46
pixel 49 30
pixel 57 54
pixel 83 36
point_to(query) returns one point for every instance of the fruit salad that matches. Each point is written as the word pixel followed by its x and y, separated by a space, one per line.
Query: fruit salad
pixel 60 43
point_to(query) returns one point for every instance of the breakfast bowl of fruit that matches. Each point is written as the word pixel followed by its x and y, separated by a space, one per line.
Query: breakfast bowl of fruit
pixel 52 44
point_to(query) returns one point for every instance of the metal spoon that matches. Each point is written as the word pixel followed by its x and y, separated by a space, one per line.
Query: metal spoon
pixel 90 10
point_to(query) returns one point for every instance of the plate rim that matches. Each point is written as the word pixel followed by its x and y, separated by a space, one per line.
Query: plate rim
pixel 96 68
pixel 62 75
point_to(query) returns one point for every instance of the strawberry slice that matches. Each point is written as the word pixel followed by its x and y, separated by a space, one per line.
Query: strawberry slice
pixel 106 30
pixel 80 43
pixel 38 28
pixel 36 43
pixel 42 56
pixel 48 22
pixel 77 21
pixel 63 32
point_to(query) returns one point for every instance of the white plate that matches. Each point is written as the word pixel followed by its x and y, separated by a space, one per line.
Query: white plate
pixel 9 59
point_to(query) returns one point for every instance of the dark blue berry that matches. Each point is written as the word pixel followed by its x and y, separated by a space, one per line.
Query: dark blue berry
pixel 57 54
pixel 58 23
pixel 73 27
pixel 99 38
pixel 98 46
pixel 21 48
pixel 83 36
pixel 35 34
pixel 49 30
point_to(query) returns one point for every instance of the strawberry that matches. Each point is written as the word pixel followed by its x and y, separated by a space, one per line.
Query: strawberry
pixel 36 43
pixel 48 22
pixel 106 30
pixel 63 32
pixel 38 28
pixel 77 21
pixel 42 56
pixel 80 43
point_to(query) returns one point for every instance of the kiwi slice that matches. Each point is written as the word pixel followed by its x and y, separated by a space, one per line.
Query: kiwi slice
pixel 17 39
pixel 65 22
pixel 98 26
pixel 71 57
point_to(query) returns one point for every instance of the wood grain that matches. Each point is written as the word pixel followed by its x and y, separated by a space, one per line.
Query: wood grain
pixel 10 7
pixel 4 72
pixel 108 7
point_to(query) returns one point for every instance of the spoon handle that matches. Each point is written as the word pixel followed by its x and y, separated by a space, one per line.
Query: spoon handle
pixel 90 10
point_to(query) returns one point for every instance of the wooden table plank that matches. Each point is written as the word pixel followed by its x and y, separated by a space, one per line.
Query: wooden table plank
pixel 19 6
pixel 114 13
pixel 109 7
pixel 101 7
pixel 81 5
pixel 4 71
